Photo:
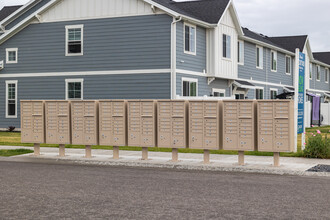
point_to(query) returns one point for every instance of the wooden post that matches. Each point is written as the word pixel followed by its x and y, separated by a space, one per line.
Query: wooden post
pixel 115 152
pixel 62 150
pixel 175 155
pixel 88 151
pixel 206 156
pixel 36 149
pixel 144 153
pixel 276 159
pixel 241 158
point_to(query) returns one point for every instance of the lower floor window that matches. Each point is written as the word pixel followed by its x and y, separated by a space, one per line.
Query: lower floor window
pixel 259 94
pixel 239 96
pixel 218 93
pixel 273 94
pixel 74 89
pixel 189 87
pixel 11 99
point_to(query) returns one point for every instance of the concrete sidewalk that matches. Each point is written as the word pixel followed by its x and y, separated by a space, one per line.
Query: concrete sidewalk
pixel 253 164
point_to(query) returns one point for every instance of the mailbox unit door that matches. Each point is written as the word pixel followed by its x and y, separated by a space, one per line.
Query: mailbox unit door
pixel 134 123
pixel 230 125
pixel 119 123
pixel 51 122
pixel 164 124
pixel 196 125
pixel 105 122
pixel 26 122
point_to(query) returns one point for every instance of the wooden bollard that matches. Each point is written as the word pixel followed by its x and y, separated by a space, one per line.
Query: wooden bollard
pixel 36 149
pixel 206 156
pixel 62 150
pixel 115 152
pixel 175 155
pixel 88 151
pixel 241 158
pixel 144 153
pixel 276 159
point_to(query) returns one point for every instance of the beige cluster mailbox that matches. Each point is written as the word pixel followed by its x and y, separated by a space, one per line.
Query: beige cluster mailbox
pixel 58 122
pixel 239 125
pixel 142 123
pixel 172 124
pixel 32 122
pixel 276 126
pixel 112 122
pixel 204 120
pixel 84 116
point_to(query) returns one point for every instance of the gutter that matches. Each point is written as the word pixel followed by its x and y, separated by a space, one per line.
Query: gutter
pixel 173 56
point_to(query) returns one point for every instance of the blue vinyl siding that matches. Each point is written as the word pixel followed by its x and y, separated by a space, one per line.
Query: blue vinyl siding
pixel 190 62
pixel 319 85
pixel 121 86
pixel 125 43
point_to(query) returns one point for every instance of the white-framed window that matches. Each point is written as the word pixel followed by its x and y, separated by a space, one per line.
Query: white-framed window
pixel 273 93
pixel 259 57
pixel 239 95
pixel 240 50
pixel 11 99
pixel 11 55
pixel 190 39
pixel 310 71
pixel 288 65
pixel 260 93
pixel 189 87
pixel 318 73
pixel 226 46
pixel 273 58
pixel 74 40
pixel 326 75
pixel 218 92
pixel 74 89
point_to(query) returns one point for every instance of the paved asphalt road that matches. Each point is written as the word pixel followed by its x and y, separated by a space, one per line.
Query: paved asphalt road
pixel 50 191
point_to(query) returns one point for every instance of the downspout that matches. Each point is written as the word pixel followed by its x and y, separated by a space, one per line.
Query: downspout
pixel 173 56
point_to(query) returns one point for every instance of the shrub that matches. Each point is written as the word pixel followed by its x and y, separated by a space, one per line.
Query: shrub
pixel 317 146
pixel 11 128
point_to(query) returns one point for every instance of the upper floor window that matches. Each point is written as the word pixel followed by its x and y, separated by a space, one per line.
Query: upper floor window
pixel 11 55
pixel 310 71
pixel 288 65
pixel 273 55
pixel 11 99
pixel 226 46
pixel 189 87
pixel 327 75
pixel 259 57
pixel 190 39
pixel 74 89
pixel 318 73
pixel 74 40
pixel 240 57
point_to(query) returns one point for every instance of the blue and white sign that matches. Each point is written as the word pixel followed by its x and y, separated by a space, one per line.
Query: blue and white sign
pixel 301 93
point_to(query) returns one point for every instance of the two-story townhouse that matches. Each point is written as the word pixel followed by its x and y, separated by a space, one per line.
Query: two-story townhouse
pixel 116 49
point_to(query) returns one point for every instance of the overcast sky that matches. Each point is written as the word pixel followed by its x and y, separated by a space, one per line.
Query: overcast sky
pixel 278 17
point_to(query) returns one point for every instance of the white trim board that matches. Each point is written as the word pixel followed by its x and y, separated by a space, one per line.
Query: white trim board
pixel 87 73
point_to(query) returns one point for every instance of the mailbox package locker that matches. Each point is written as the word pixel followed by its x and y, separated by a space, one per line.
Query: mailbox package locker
pixel 172 123
pixel 32 121
pixel 112 122
pixel 142 123
pixel 276 126
pixel 204 125
pixel 84 117
pixel 239 118
pixel 58 128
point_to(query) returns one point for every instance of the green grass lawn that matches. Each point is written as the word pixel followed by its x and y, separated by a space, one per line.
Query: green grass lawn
pixel 9 153
pixel 14 139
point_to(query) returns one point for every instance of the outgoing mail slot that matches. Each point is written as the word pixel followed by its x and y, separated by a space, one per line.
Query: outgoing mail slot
pixel 32 122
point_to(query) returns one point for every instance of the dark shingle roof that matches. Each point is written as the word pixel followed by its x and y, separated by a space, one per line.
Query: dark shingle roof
pixel 323 57
pixel 289 43
pixel 209 11
pixel 8 10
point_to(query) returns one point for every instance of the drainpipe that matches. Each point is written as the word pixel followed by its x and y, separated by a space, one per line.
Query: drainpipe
pixel 173 56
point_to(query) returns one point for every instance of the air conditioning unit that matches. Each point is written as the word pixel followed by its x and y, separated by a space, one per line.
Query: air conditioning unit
pixel 1 65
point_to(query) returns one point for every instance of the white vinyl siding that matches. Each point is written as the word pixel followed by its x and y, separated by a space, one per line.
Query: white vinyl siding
pixel 11 99
pixel 190 39
pixel 259 57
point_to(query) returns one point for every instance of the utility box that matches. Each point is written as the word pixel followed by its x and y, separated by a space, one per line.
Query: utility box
pixel 32 122
pixel 112 122
pixel 276 126
pixel 172 123
pixel 239 120
pixel 84 116
pixel 204 125
pixel 142 123
pixel 58 129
